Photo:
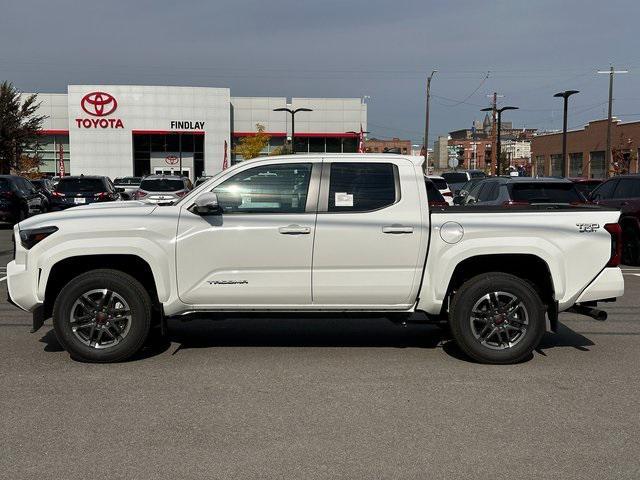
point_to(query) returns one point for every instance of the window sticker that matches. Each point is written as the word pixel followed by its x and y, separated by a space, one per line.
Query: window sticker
pixel 344 199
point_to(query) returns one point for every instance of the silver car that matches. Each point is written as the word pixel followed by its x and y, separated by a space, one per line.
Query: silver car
pixel 163 189
pixel 130 185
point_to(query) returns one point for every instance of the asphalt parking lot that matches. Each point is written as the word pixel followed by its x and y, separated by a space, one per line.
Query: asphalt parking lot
pixel 322 398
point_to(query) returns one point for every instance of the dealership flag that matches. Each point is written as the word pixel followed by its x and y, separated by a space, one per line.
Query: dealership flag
pixel 61 161
pixel 361 148
pixel 225 161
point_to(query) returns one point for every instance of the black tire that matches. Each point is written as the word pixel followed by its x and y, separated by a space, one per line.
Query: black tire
pixel 630 245
pixel 497 348
pixel 123 285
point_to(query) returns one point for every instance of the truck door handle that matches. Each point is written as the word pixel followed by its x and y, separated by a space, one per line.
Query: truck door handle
pixel 397 229
pixel 294 230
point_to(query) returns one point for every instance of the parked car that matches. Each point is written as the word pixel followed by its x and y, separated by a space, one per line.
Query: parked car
pixel 129 184
pixel 81 190
pixel 460 194
pixel 586 185
pixel 45 187
pixel 163 189
pixel 441 184
pixel 520 191
pixel 456 179
pixel 434 196
pixel 201 180
pixel 623 193
pixel 363 235
pixel 19 199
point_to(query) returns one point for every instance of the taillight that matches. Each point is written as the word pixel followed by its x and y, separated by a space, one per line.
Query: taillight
pixel 140 194
pixel 102 195
pixel 181 193
pixel 616 243
pixel 438 204
pixel 57 194
pixel 8 194
pixel 514 203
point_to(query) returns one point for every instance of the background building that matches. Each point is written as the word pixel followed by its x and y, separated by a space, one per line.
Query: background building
pixel 394 145
pixel 586 150
pixel 440 154
pixel 119 130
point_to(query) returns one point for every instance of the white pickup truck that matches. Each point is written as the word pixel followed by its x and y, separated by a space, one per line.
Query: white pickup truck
pixel 325 233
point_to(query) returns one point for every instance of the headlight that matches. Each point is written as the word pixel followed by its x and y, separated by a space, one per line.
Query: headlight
pixel 30 237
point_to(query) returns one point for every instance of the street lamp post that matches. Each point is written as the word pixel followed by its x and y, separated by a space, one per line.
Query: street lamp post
pixel 293 123
pixel 498 142
pixel 565 95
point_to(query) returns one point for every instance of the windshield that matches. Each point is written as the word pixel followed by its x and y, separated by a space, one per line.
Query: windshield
pixel 127 181
pixel 540 192
pixel 439 183
pixel 455 177
pixel 66 185
pixel 477 174
pixel 162 185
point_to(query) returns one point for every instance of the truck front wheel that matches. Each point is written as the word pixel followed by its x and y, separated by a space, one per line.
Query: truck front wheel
pixel 102 316
pixel 497 318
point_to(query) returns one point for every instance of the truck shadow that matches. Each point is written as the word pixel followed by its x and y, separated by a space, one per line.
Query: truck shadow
pixel 315 331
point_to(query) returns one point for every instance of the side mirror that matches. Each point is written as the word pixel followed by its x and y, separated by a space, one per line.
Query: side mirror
pixel 207 204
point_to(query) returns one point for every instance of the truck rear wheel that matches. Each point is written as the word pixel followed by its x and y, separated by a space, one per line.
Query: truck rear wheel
pixel 102 316
pixel 497 318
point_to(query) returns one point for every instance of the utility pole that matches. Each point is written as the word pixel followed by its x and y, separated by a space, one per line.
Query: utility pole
pixel 425 145
pixel 611 72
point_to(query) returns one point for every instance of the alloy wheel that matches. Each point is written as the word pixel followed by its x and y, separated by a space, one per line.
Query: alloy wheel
pixel 100 318
pixel 499 320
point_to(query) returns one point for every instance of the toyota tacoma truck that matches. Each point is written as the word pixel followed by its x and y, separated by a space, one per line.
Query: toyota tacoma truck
pixel 326 233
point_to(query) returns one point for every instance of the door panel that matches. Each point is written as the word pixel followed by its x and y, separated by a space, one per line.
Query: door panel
pixel 259 251
pixel 372 257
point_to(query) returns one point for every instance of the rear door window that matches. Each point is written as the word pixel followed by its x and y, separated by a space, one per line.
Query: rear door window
pixel 605 191
pixel 362 187
pixel 541 192
pixel 627 188
pixel 489 192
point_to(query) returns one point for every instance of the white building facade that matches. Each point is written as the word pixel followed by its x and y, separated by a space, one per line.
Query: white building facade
pixel 124 130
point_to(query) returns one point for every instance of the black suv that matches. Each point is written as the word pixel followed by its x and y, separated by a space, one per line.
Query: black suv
pixel 83 189
pixel 623 192
pixel 19 199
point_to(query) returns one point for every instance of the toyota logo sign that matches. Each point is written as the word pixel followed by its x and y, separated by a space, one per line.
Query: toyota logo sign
pixel 98 104
pixel 171 159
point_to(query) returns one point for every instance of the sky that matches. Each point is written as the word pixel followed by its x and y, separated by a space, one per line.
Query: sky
pixel 382 50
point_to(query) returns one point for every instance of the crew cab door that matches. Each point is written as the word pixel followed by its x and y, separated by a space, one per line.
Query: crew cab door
pixel 370 237
pixel 258 251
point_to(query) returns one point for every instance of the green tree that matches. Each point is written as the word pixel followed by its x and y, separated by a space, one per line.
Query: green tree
pixel 251 146
pixel 19 126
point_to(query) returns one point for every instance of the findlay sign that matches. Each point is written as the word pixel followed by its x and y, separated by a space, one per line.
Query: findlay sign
pixel 99 104
pixel 186 125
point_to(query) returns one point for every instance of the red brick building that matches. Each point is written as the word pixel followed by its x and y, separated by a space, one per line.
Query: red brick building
pixel 586 150
pixel 395 145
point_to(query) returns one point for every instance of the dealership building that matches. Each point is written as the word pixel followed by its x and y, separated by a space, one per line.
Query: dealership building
pixel 123 130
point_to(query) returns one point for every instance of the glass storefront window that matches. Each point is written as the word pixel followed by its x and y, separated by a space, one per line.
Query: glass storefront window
pixel 334 145
pixel 598 167
pixel 350 145
pixel 540 166
pixel 316 145
pixel 556 165
pixel 575 169
pixel 302 145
